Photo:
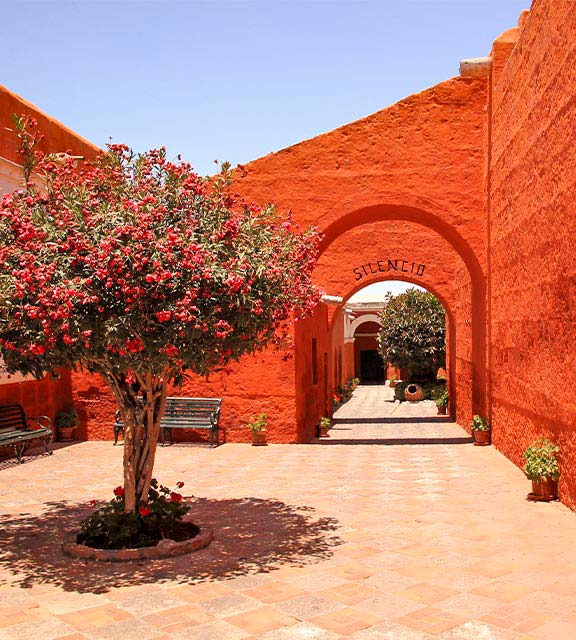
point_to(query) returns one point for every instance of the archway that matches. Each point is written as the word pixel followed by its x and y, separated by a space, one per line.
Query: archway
pixel 402 243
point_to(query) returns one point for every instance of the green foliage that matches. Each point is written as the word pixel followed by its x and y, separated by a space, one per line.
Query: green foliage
pixel 67 418
pixel 325 422
pixel 441 397
pixel 413 333
pixel 541 461
pixel 111 527
pixel 480 424
pixel 258 423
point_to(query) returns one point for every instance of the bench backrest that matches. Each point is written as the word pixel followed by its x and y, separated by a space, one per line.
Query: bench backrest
pixel 191 411
pixel 12 417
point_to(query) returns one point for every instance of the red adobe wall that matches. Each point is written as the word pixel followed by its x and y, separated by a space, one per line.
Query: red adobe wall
pixel 419 161
pixel 57 137
pixel 532 192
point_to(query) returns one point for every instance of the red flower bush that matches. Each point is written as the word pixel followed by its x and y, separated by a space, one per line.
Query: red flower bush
pixel 136 268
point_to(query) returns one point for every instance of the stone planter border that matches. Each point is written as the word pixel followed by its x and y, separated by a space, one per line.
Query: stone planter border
pixel 164 549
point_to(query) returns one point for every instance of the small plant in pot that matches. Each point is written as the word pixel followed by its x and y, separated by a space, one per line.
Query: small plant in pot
pixel 441 401
pixel 541 467
pixel 392 382
pixel 481 431
pixel 66 421
pixel 257 426
pixel 325 424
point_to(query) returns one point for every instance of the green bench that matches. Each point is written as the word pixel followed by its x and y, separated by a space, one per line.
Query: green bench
pixel 184 413
pixel 15 430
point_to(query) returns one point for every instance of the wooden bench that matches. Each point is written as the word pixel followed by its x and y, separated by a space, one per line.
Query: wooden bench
pixel 184 413
pixel 15 430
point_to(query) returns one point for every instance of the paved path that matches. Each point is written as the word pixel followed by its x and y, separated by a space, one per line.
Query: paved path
pixel 395 528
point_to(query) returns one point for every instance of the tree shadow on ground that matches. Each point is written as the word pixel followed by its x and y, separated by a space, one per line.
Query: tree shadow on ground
pixel 251 536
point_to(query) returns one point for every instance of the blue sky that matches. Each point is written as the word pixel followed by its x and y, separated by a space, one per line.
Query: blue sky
pixel 234 80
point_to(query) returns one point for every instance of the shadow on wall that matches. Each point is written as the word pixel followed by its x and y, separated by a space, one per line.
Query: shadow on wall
pixel 251 536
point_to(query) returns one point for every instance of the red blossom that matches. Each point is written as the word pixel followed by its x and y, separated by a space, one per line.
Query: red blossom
pixel 180 484
pixel 175 497
pixel 119 492
pixel 145 511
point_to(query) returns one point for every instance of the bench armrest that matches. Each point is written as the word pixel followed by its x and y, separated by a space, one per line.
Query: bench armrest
pixel 43 422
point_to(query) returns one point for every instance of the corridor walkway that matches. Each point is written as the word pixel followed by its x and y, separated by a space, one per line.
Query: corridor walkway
pixel 394 528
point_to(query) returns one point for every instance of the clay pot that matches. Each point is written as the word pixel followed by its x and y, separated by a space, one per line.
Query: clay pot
pixel 482 438
pixel 443 411
pixel 65 434
pixel 258 438
pixel 324 432
pixel 544 490
pixel 392 384
pixel 413 392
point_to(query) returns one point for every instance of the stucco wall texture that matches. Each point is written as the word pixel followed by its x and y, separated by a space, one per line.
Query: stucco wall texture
pixel 532 191
pixel 472 178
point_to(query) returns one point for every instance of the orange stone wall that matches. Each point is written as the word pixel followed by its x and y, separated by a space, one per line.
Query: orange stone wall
pixel 532 243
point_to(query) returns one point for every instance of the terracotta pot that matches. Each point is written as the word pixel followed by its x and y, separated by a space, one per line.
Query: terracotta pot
pixel 443 411
pixel 324 432
pixel 413 392
pixel 482 438
pixel 258 438
pixel 544 490
pixel 65 434
pixel 392 384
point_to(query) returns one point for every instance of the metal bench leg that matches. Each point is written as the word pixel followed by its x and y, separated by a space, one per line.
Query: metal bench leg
pixel 19 451
pixel 47 441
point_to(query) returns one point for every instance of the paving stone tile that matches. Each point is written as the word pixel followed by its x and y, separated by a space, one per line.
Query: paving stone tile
pixel 414 554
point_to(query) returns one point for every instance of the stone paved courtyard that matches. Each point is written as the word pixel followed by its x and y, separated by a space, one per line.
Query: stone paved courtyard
pixel 395 528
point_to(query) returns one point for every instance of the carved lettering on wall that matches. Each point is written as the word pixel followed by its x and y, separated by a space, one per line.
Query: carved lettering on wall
pixel 387 266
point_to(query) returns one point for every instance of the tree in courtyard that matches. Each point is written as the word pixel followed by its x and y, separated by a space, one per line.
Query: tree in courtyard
pixel 413 333
pixel 136 268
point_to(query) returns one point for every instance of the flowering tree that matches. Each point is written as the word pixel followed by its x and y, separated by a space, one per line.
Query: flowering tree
pixel 413 333
pixel 136 268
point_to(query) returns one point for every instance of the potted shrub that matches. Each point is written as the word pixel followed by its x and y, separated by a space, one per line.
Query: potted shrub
pixel 66 421
pixel 325 424
pixel 541 467
pixel 257 426
pixel 481 431
pixel 441 401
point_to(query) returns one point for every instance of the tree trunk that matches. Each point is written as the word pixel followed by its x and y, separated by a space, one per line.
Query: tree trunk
pixel 141 412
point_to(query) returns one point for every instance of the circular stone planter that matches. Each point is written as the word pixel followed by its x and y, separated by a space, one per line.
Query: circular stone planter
pixel 164 549
pixel 413 392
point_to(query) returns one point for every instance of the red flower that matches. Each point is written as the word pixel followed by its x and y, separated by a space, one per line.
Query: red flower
pixel 180 484
pixel 175 497
pixel 119 491
pixel 92 503
pixel 145 511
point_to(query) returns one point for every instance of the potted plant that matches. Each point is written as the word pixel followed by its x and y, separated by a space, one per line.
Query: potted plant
pixel 441 401
pixel 257 426
pixel 392 382
pixel 66 421
pixel 481 431
pixel 541 467
pixel 325 424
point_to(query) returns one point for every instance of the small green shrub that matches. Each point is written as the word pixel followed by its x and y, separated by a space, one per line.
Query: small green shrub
pixel 326 423
pixel 479 424
pixel 258 423
pixel 67 418
pixel 442 398
pixel 541 461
